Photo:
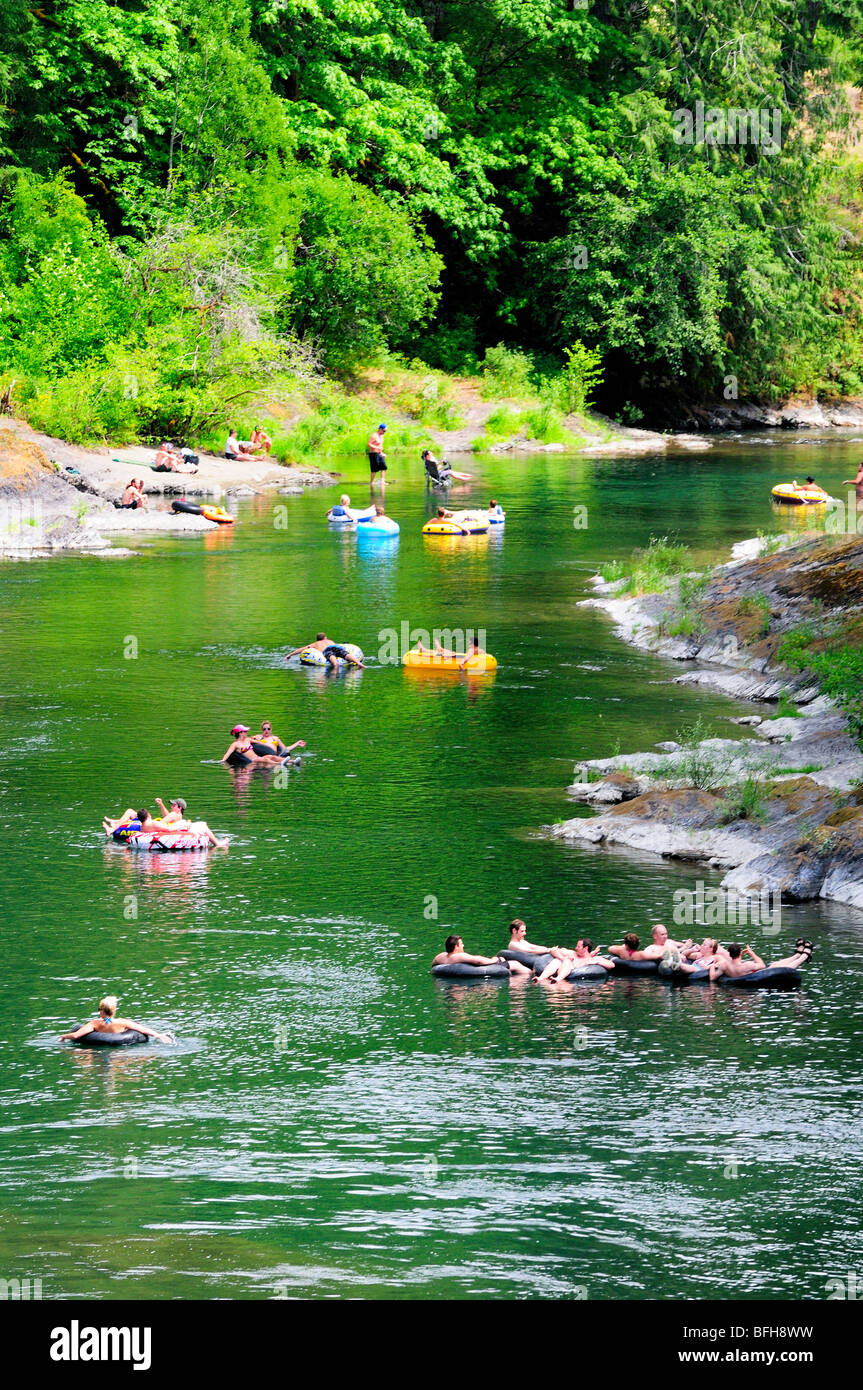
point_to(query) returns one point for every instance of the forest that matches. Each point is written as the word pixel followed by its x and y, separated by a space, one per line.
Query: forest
pixel 206 200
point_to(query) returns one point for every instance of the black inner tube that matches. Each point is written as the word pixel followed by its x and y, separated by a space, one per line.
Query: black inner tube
pixel 460 970
pixel 97 1038
pixel 624 966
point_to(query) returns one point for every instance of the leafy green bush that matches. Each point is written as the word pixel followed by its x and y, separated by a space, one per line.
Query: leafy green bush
pixel 505 373
pixel 581 376
pixel 545 423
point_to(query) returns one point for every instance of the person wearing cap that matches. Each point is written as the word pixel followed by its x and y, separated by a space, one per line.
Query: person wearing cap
pixel 241 753
pixel 176 817
pixel 377 457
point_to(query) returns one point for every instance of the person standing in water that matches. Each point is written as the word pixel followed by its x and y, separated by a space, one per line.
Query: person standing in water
pixel 377 458
pixel 108 1022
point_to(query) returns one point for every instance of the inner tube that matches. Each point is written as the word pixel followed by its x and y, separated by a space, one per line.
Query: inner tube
pixel 378 526
pixel 523 957
pixel 180 504
pixel 624 966
pixel 460 970
pixel 771 977
pixel 213 513
pixel 477 665
pixel 683 977
pixel 166 841
pixel 589 971
pixel 238 760
pixel 497 517
pixel 128 1038
pixel 310 656
pixel 348 516
pixel 461 523
pixel 802 495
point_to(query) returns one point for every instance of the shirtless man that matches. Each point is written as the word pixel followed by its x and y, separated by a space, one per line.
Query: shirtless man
pixel 474 651
pixel 735 966
pixel 329 649
pixel 454 953
pixel 588 954
pixel 260 442
pixel 655 951
pixel 176 817
pixel 562 958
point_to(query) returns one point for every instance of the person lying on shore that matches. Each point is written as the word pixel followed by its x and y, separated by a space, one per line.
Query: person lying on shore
pixel 170 460
pixel 133 495
pixel 270 740
pixel 108 1022
pixel 259 442
pixel 331 650
pixel 241 752
pixel 236 449
pixel 455 954
pixel 735 965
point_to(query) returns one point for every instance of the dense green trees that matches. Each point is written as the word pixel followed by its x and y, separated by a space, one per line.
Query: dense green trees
pixel 356 163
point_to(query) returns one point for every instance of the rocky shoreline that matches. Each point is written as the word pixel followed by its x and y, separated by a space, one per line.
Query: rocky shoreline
pixel 779 811
pixel 59 497
pixel 721 416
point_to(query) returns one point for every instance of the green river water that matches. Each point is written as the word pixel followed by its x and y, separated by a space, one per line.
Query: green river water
pixel 332 1122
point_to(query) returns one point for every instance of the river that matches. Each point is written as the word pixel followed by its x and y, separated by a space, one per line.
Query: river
pixel 333 1122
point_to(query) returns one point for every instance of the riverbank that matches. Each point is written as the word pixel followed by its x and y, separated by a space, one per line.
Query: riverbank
pixel 58 496
pixel 782 809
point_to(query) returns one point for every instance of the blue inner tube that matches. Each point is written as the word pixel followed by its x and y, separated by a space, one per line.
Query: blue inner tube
pixel 127 1038
pixel 624 966
pixel 771 977
pixel 460 970
pixel 589 971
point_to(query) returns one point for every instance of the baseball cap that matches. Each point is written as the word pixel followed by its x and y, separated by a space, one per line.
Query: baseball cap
pixel 381 427
pixel 239 729
pixel 178 801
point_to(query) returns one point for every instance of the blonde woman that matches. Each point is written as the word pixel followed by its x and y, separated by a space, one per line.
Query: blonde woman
pixel 108 1022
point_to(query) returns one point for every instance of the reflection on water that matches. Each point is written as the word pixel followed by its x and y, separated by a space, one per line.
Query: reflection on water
pixel 333 1121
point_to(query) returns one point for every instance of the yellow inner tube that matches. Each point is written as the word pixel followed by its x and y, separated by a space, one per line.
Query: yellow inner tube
pixel 803 494
pixel 460 524
pixel 430 661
